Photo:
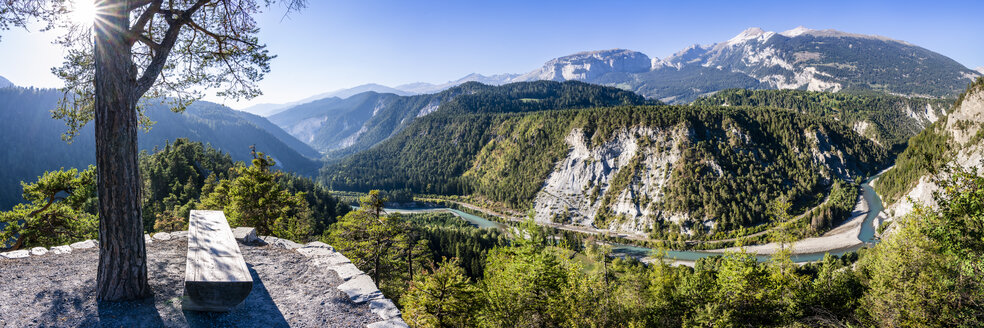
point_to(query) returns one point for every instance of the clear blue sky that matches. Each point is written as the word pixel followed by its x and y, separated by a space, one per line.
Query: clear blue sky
pixel 338 44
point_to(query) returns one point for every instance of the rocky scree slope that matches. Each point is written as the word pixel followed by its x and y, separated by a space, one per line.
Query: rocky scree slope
pixel 710 171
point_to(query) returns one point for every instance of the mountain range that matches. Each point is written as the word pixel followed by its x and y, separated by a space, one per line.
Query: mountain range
pixel 271 109
pixel 801 58
pixel 33 144
pixel 5 83
pixel 587 139
pixel 339 127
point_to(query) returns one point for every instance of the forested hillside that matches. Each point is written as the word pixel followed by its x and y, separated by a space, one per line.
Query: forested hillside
pixel 928 274
pixel 177 178
pixel 888 120
pixel 338 127
pixel 33 139
pixel 711 164
pixel 954 141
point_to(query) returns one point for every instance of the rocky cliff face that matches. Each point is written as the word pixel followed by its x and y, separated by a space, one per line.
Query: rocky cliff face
pixel 573 192
pixel 621 184
pixel 591 65
pixel 916 119
pixel 963 128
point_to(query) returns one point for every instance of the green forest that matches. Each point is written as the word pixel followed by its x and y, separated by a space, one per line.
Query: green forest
pixel 446 273
pixel 710 187
pixel 34 140
pixel 926 154
pixel 178 178
pixel 928 272
pixel 505 157
pixel 889 116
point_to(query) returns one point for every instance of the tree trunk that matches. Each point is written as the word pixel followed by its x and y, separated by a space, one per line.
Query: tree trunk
pixel 122 273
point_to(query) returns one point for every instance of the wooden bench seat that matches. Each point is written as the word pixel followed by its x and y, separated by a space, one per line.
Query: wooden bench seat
pixel 216 276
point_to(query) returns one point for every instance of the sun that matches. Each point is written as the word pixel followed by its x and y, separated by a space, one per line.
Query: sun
pixel 83 12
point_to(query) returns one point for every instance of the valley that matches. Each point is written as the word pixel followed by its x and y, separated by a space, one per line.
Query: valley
pixel 797 178
pixel 856 231
pixel 34 141
pixel 697 172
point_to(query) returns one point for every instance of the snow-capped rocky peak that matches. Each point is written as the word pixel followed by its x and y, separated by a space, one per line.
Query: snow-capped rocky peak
pixel 799 30
pixel 590 64
pixel 980 69
pixel 748 34
pixel 832 33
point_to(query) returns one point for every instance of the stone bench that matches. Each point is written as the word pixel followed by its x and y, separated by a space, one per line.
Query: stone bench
pixel 216 276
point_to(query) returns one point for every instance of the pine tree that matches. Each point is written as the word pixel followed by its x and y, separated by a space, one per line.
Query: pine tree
pixel 443 298
pixel 60 210
pixel 255 199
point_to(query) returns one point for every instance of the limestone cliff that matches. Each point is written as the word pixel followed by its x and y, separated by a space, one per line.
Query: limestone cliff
pixel 575 188
pixel 622 183
pixel 963 129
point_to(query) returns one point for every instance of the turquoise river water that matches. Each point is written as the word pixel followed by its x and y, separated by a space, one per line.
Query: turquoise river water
pixel 867 234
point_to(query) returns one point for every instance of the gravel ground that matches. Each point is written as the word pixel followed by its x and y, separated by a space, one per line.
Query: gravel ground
pixel 59 291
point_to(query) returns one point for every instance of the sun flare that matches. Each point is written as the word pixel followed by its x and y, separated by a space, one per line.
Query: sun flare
pixel 83 12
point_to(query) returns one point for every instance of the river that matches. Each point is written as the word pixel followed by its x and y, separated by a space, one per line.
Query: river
pixel 866 235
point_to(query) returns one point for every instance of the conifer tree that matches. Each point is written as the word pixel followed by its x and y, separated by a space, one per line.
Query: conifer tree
pixel 443 298
pixel 368 237
pixel 125 54
pixel 254 198
pixel 60 210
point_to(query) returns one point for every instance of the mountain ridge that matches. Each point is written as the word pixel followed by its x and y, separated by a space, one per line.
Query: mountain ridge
pixel 635 169
pixel 270 109
pixel 338 127
pixel 34 142
pixel 754 59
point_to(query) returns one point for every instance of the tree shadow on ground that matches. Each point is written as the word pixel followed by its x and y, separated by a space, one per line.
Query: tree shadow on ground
pixel 258 310
pixel 64 305
pixel 59 302
pixel 140 313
